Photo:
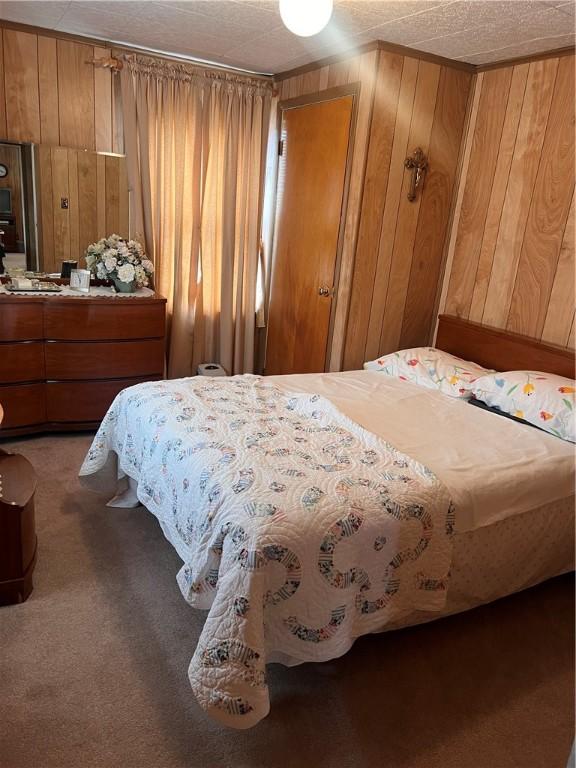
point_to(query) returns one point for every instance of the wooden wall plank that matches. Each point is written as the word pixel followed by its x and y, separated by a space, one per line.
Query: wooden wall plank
pixel 354 74
pixel 560 309
pixel 483 157
pixel 368 66
pixel 391 204
pixel 548 211
pixel 73 212
pixel 117 118
pixel 101 196
pixel 498 192
pixel 408 212
pixel 103 104
pixel 437 195
pixel 311 81
pixel 21 86
pixel 338 73
pixel 527 152
pixel 384 117
pixel 112 195
pixel 45 201
pixel 123 207
pixel 323 79
pixel 284 89
pixel 295 86
pixel 76 86
pixel 467 142
pixel 87 199
pixel 572 337
pixel 3 130
pixel 48 90
pixel 60 189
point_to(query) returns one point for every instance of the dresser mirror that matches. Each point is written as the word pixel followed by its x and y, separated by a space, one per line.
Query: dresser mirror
pixel 55 201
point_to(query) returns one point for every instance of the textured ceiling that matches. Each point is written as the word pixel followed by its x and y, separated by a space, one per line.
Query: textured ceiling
pixel 249 33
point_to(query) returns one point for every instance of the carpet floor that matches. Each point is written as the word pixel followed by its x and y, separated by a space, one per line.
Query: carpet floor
pixel 93 667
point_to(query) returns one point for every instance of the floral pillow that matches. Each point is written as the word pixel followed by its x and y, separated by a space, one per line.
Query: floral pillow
pixel 542 399
pixel 431 368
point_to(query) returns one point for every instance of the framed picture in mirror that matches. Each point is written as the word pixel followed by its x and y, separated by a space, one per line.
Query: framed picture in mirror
pixel 80 280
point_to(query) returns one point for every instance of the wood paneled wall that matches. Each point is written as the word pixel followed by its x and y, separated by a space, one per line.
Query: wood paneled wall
pixel 96 188
pixel 50 94
pixel 10 157
pixel 511 255
pixel 393 249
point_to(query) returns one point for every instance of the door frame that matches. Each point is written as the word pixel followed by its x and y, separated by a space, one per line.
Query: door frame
pixel 330 94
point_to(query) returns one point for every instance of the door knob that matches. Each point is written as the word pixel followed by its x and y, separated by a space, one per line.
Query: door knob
pixel 324 291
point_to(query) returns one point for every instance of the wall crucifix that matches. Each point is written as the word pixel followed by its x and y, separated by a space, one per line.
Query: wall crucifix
pixel 418 164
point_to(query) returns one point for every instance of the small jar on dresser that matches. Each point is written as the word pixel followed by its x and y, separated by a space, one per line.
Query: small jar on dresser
pixel 64 359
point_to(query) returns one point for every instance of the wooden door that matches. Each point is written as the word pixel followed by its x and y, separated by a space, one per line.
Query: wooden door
pixel 310 195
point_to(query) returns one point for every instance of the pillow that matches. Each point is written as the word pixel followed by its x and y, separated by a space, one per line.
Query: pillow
pixel 542 399
pixel 431 368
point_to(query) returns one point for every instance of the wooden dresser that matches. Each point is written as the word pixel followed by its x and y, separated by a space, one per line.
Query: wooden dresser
pixel 64 359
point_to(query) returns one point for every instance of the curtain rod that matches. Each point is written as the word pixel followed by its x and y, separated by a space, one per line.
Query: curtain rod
pixel 115 64
pixel 107 62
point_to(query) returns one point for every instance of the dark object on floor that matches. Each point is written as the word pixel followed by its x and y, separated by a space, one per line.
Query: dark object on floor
pixel 17 528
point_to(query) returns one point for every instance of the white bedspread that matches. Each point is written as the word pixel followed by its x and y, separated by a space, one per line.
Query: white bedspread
pixel 299 530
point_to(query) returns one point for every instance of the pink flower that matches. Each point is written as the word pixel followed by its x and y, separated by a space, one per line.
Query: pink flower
pixel 412 362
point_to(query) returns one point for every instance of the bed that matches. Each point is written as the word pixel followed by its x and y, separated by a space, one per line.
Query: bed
pixel 311 509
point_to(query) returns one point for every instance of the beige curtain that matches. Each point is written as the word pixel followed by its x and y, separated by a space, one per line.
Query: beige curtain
pixel 195 149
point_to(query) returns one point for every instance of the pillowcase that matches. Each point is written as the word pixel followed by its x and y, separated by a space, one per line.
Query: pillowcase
pixel 431 368
pixel 542 399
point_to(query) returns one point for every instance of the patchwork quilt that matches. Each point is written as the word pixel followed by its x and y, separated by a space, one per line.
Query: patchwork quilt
pixel 299 530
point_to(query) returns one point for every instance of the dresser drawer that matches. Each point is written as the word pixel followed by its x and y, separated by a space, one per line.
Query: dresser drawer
pixel 24 405
pixel 122 319
pixel 21 320
pixel 83 401
pixel 104 360
pixel 22 361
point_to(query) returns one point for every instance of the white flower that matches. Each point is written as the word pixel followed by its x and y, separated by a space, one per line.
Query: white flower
pixel 148 266
pixel 126 273
pixel 101 271
pixel 110 263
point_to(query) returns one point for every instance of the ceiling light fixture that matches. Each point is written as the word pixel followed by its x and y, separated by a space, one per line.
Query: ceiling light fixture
pixel 306 17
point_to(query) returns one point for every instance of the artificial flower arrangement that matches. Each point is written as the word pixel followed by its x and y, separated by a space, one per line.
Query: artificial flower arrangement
pixel 121 261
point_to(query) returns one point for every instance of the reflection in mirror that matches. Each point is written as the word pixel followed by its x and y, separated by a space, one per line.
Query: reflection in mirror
pixel 81 196
pixel 17 229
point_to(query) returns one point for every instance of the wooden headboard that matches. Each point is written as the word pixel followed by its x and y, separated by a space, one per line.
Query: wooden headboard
pixel 501 350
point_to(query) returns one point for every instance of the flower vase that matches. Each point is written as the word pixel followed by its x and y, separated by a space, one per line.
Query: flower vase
pixel 122 287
